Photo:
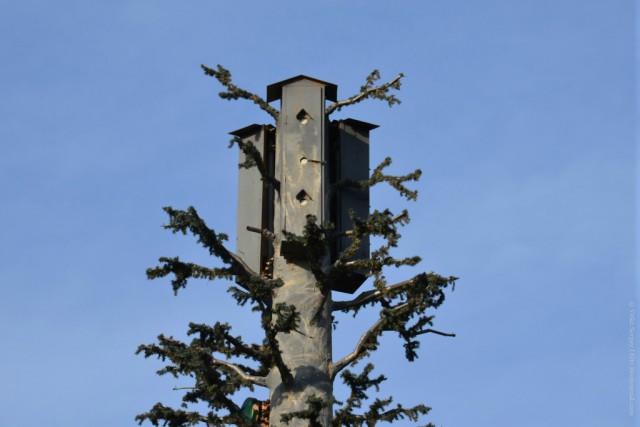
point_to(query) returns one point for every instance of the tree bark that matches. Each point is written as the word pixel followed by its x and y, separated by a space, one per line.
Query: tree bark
pixel 307 351
pixel 301 167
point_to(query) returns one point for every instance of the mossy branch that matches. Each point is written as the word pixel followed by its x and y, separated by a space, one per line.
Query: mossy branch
pixel 359 384
pixel 259 288
pixel 378 176
pixel 403 307
pixel 234 92
pixel 216 380
pixel 369 91
pixel 253 159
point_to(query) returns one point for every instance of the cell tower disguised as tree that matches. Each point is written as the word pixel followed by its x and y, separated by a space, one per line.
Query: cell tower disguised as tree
pixel 303 233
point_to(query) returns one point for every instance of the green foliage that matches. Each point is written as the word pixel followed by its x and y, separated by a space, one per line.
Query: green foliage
pixel 378 176
pixel 212 386
pixel 380 92
pixel 368 90
pixel 234 92
pixel 253 159
pixel 315 406
pixel 359 384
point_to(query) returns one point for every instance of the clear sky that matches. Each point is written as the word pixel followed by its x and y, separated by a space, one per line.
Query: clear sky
pixel 521 113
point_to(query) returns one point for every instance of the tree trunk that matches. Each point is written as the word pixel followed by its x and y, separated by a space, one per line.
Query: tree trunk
pixel 307 351
pixel 301 167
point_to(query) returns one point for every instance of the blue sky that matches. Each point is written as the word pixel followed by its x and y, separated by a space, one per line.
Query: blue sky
pixel 521 113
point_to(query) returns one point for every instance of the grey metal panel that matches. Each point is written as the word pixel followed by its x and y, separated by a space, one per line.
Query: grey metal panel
pixel 354 166
pixel 274 91
pixel 255 201
pixel 360 125
pixel 350 155
pixel 301 147
pixel 307 170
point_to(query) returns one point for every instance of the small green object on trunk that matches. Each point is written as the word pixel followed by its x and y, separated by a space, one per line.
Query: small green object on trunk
pixel 251 409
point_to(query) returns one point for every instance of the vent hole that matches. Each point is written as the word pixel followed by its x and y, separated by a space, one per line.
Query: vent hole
pixel 303 117
pixel 303 197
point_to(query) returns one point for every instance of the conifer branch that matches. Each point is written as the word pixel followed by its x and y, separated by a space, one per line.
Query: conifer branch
pixel 234 92
pixel 359 384
pixel 367 297
pixel 213 386
pixel 272 343
pixel 315 406
pixel 258 287
pixel 433 331
pixel 368 341
pixel 378 176
pixel 257 380
pixel 172 417
pixel 376 412
pixel 413 297
pixel 369 91
pixel 378 223
pixel 185 270
pixel 253 158
pixel 253 351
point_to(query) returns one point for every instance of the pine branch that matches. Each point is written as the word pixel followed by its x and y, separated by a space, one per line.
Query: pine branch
pixel 433 331
pixel 189 220
pixel 182 271
pixel 377 413
pixel 259 288
pixel 257 380
pixel 378 176
pixel 368 341
pixel 415 296
pixel 217 338
pixel 368 297
pixel 272 343
pixel 253 158
pixel 378 223
pixel 315 407
pixel 369 91
pixel 234 92
pixel 252 351
pixel 359 384
pixel 213 385
pixel 171 417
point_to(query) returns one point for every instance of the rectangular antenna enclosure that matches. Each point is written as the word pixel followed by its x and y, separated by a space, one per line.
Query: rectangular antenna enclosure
pixel 313 157
pixel 302 164
pixel 350 164
pixel 255 198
